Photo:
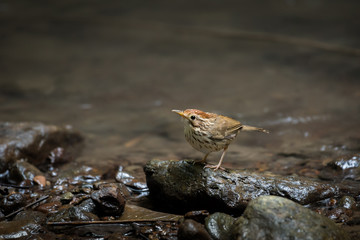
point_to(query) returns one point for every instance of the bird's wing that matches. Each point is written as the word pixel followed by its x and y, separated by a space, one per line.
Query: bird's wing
pixel 225 127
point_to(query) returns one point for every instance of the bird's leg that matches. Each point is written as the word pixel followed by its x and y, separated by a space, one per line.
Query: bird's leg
pixel 204 159
pixel 216 167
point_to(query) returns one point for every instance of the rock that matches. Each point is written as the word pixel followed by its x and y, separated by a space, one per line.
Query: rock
pixel 40 180
pixel 218 225
pixel 190 229
pixel 346 162
pixel 343 167
pixel 22 170
pixel 34 142
pixel 66 197
pixel 183 184
pixel 347 202
pixel 12 202
pixel 25 225
pixel 57 156
pixel 339 214
pixel 109 200
pixel 83 175
pixel 51 207
pixel 133 185
pixel 123 177
pixel 271 217
pixel 73 213
pixel 35 216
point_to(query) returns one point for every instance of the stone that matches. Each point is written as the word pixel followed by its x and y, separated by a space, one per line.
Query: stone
pixel 50 207
pixel 218 225
pixel 346 162
pixel 73 213
pixel 347 202
pixel 35 216
pixel 343 167
pixel 12 202
pixel 272 217
pixel 25 225
pixel 88 205
pixel 22 170
pixel 109 200
pixel 191 229
pixel 66 197
pixel 34 142
pixel 40 180
pixel 183 184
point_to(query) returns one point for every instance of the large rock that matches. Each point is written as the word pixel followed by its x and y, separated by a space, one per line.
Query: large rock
pixel 183 184
pixel 271 217
pixel 33 142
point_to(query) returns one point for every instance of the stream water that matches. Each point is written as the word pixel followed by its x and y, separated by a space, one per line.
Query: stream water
pixel 115 70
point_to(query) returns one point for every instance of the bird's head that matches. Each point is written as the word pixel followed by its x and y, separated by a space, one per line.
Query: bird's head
pixel 193 117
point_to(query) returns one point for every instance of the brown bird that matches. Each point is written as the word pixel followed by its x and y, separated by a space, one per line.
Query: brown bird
pixel 210 132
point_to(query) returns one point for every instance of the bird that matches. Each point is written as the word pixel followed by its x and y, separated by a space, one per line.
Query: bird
pixel 210 132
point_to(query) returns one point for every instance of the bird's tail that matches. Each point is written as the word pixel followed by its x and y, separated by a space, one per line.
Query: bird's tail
pixel 250 128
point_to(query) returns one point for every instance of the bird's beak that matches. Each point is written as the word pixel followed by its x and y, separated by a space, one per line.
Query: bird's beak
pixel 181 113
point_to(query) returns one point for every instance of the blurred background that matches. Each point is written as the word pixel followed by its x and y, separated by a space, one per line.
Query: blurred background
pixel 114 70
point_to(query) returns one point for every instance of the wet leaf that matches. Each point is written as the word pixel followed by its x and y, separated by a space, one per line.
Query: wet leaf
pixel 136 213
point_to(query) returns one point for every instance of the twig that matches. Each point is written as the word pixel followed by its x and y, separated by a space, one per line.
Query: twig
pixel 107 222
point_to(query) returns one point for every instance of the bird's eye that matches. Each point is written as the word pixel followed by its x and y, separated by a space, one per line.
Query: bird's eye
pixel 192 117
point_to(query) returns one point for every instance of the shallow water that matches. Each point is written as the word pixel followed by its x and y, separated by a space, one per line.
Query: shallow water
pixel 114 71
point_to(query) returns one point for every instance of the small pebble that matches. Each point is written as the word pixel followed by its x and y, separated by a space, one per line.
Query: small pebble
pixel 191 229
pixel 40 180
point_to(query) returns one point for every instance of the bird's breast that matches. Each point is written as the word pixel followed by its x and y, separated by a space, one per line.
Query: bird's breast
pixel 201 140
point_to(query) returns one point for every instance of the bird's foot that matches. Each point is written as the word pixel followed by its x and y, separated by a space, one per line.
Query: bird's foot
pixel 215 167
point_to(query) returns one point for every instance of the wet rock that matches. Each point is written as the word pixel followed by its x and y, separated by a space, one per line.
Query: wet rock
pixel 340 211
pixel 35 216
pixel 57 156
pixel 26 225
pixel 76 176
pixel 40 180
pixel 34 142
pixel 271 217
pixel 66 197
pixel 123 177
pixel 51 207
pixel 22 229
pixel 185 184
pixel 218 225
pixel 339 214
pixel 346 162
pixel 88 205
pixel 133 185
pixel 347 202
pixel 73 213
pixel 343 167
pixel 191 229
pixel 12 202
pixel 109 200
pixel 22 170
